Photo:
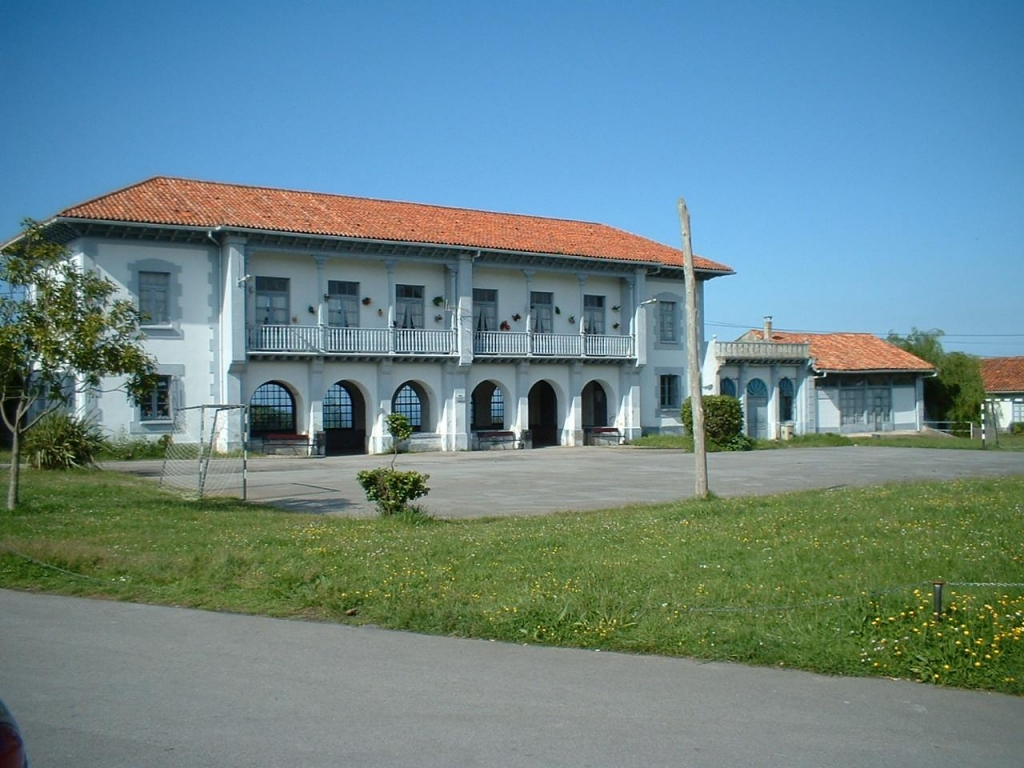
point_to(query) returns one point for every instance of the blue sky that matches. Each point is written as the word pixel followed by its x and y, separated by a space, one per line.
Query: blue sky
pixel 860 165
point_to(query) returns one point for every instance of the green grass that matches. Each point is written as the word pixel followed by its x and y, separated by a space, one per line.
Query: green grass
pixel 833 581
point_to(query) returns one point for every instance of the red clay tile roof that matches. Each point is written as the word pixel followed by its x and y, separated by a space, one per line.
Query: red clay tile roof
pixel 1003 374
pixel 185 202
pixel 852 352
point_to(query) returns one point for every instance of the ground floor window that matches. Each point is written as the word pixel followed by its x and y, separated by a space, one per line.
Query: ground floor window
pixel 1018 412
pixel 727 387
pixel 865 403
pixel 337 408
pixel 157 405
pixel 668 391
pixel 272 409
pixel 407 402
pixel 785 400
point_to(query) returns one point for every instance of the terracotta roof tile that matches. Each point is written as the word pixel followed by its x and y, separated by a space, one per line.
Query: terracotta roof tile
pixel 852 352
pixel 185 202
pixel 1003 374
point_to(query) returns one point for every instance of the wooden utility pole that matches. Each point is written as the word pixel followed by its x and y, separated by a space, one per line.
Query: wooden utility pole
pixel 693 359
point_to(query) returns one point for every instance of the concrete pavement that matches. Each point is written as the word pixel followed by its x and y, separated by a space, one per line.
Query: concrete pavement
pixel 546 480
pixel 117 685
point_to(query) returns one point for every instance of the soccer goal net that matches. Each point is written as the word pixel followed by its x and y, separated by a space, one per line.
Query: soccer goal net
pixel 207 451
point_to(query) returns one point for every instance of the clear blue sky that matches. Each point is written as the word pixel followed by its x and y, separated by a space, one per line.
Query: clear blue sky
pixel 859 164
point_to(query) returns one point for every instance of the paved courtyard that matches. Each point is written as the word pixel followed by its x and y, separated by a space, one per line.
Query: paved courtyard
pixel 546 480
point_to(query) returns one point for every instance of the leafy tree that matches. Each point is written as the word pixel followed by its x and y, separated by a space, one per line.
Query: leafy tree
pixel 62 331
pixel 957 391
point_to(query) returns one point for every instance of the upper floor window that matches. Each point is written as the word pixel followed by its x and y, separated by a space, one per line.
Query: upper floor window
pixel 409 306
pixel 485 309
pixel 154 297
pixel 157 404
pixel 668 330
pixel 593 314
pixel 543 303
pixel 272 300
pixel 342 304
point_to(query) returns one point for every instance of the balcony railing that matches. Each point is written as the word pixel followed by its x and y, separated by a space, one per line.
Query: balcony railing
pixel 762 351
pixel 322 340
pixel 519 344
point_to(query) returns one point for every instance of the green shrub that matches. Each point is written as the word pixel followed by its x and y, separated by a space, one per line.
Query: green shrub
pixel 723 421
pixel 60 441
pixel 1017 428
pixel 392 489
pixel 123 447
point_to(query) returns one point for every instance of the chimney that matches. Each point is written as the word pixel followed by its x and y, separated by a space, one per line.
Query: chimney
pixel 767 327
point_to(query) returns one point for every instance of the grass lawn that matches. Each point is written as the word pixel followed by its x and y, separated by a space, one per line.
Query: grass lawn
pixel 833 581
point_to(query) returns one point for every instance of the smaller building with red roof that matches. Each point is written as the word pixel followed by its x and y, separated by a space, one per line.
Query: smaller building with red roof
pixel 1004 387
pixel 803 383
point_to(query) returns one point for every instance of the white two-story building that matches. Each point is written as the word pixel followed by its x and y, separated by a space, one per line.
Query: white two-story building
pixel 326 313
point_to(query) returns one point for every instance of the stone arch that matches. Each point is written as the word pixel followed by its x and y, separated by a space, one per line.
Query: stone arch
pixel 595 405
pixel 545 428
pixel 489 407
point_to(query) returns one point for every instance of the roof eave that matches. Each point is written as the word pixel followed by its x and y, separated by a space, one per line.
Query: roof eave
pixel 212 229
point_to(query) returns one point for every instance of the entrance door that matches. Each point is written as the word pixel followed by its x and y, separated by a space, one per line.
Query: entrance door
pixel 344 420
pixel 595 406
pixel 543 415
pixel 757 409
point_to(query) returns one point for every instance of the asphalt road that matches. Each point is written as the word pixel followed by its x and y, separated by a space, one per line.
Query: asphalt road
pixel 546 480
pixel 114 685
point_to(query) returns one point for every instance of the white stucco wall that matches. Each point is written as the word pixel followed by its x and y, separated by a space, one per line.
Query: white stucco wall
pixel 213 289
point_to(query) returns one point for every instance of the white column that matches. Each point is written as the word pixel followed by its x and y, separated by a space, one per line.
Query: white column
pixel 640 316
pixel 236 314
pixel 464 309
pixel 574 407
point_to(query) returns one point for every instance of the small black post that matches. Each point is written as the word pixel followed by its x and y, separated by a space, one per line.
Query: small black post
pixel 937 597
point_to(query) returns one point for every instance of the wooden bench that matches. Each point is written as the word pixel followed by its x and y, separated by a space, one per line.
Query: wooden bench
pixel 495 440
pixel 281 444
pixel 602 436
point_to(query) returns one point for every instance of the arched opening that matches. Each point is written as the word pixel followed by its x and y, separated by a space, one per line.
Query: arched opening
pixel 272 410
pixel 543 414
pixel 487 408
pixel 595 406
pixel 757 409
pixel 410 400
pixel 344 419
pixel 727 387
